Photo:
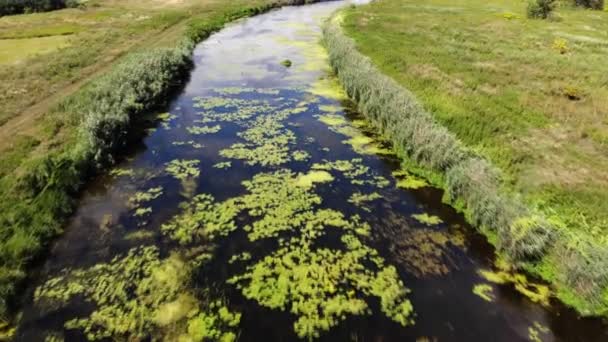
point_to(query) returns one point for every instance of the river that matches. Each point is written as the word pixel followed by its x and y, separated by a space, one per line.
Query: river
pixel 260 206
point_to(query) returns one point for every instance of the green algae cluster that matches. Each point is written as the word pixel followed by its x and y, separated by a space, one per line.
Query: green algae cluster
pixel 164 119
pixel 223 165
pixel 359 199
pixel 535 331
pixel 426 252
pixel 267 139
pixel 192 143
pixel 202 218
pixel 138 295
pixel 320 286
pixel 484 291
pixel 183 169
pixel 359 142
pixel 408 181
pixel 537 293
pixel 355 171
pixel 121 172
pixel 429 220
pixel 145 196
pixel 423 252
pixel 201 130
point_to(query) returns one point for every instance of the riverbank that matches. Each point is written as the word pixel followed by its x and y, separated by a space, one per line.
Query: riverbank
pixel 87 131
pixel 534 228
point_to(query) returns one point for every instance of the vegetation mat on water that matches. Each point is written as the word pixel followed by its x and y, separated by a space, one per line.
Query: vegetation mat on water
pixel 522 233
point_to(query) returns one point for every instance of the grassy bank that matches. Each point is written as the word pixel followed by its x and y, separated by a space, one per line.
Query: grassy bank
pixel 84 133
pixel 502 115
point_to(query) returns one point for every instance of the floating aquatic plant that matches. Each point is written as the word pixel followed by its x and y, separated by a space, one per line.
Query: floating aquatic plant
pixel 411 182
pixel 223 165
pixel 199 130
pixel 245 256
pixel 359 199
pixel 322 286
pixel 537 293
pixel 429 220
pixel 360 142
pixel 190 142
pixel 139 212
pixel 183 169
pixel 165 118
pixel 313 177
pixel 120 172
pixel 484 291
pixel 535 331
pixel 267 140
pixel 300 155
pixel 134 294
pixel 145 196
pixel 201 219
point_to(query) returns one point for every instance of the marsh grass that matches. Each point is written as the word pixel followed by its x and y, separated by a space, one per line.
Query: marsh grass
pixel 472 183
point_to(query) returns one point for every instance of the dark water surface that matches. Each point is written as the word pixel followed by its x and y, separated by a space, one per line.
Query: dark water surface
pixel 242 106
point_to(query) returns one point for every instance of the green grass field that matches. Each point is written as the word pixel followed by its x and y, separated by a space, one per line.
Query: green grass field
pixel 529 95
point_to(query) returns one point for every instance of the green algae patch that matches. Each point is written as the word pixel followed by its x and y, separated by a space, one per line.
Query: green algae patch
pixel 410 181
pixel 202 218
pixel 423 252
pixel 183 169
pixel 330 108
pixel 267 140
pixel 201 130
pixel 192 143
pixel 134 295
pixel 145 196
pixel 140 235
pixel 300 155
pixel 359 142
pixel 328 87
pixel 536 330
pixel 121 172
pixel 537 293
pixel 217 325
pixel 484 291
pixel 333 119
pixel 314 177
pixel 360 200
pixel 223 165
pixel 429 220
pixel 165 119
pixel 320 286
pixel 140 212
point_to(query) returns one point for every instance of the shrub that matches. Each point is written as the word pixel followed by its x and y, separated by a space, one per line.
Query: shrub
pixel 527 238
pixel 560 45
pixel 591 4
pixel 540 9
pixel 584 267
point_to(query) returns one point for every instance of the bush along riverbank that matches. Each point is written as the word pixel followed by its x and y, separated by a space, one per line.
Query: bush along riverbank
pixel 524 236
pixel 98 119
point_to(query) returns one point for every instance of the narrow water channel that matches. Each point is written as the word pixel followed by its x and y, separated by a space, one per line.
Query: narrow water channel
pixel 260 206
